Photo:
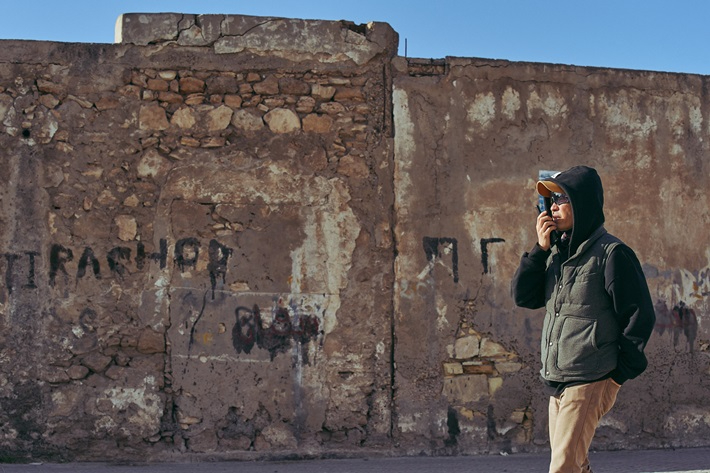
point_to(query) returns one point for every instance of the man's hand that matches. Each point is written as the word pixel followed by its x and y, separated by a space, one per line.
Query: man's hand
pixel 545 226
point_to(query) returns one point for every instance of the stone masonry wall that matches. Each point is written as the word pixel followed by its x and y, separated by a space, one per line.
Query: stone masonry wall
pixel 194 239
pixel 231 237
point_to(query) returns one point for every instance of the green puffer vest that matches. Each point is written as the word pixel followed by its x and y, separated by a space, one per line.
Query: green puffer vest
pixel 580 332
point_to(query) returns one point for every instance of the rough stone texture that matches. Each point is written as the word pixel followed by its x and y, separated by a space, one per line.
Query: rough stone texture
pixel 185 268
pixel 215 245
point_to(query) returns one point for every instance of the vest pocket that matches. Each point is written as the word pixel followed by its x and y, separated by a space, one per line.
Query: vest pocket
pixel 577 346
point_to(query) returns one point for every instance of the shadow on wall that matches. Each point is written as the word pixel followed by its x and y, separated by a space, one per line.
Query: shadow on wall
pixel 680 320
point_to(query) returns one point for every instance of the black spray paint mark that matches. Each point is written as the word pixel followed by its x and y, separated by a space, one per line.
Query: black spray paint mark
pixel 484 251
pixel 11 258
pixel 248 331
pixel 31 271
pixel 276 339
pixel 58 257
pixel 160 257
pixel 10 276
pixel 245 329
pixel 219 255
pixel 187 250
pixel 431 248
pixel 114 258
pixel 88 257
pixel 197 319
pixel 87 319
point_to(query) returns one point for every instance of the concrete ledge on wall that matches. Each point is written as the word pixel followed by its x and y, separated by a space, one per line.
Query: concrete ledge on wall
pixel 325 41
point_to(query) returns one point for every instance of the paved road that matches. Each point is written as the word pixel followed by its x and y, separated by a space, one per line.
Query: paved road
pixel 695 460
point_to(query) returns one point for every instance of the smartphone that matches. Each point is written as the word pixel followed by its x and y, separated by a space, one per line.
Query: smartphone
pixel 554 236
pixel 548 205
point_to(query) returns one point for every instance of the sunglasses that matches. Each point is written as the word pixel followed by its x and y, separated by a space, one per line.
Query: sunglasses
pixel 560 199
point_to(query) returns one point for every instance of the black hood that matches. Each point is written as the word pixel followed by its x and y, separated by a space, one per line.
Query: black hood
pixel 584 188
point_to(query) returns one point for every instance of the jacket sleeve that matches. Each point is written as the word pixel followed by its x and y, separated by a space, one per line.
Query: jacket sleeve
pixel 528 285
pixel 626 284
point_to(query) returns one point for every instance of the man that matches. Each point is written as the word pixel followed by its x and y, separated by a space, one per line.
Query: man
pixel 599 314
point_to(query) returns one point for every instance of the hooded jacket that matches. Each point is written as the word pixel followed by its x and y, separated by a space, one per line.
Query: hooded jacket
pixel 599 314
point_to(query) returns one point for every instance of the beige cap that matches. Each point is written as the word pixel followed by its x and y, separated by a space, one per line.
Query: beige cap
pixel 546 188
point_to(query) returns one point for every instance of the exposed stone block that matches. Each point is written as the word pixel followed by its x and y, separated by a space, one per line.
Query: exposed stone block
pixel 305 105
pixel 152 164
pixel 49 87
pixel 191 85
pixel 494 384
pixel 353 166
pixel 150 341
pixel 467 347
pixel 158 85
pixel 213 142
pixel 489 348
pixel 107 103
pixel 269 86
pixel 152 117
pixel 466 388
pixel 233 100
pixel 349 94
pixel 195 99
pixel 292 86
pixel 170 97
pixel 219 118
pixel 452 369
pixel 282 120
pixel 248 121
pixel 317 123
pixel 96 362
pixel 332 108
pixel 127 227
pixel 77 372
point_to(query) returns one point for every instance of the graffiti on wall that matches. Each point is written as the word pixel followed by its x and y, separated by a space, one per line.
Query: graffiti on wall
pixel 435 247
pixel 249 331
pixel 274 334
pixel 484 251
pixel 21 268
pixel 443 251
pixel 29 278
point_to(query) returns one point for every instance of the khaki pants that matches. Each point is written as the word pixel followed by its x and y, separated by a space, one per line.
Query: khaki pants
pixel 574 416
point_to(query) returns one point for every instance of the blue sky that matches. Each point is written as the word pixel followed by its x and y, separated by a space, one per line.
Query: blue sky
pixel 658 35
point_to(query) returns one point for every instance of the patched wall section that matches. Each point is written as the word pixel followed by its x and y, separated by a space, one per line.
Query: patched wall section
pixel 196 239
pixel 472 136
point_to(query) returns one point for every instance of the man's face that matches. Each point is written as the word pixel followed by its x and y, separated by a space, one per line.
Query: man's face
pixel 562 212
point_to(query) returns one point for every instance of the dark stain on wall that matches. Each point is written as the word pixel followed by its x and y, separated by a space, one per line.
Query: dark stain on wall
pixel 452 424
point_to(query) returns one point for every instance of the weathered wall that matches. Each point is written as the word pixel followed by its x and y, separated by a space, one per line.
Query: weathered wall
pixel 198 252
pixel 471 138
pixel 237 237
